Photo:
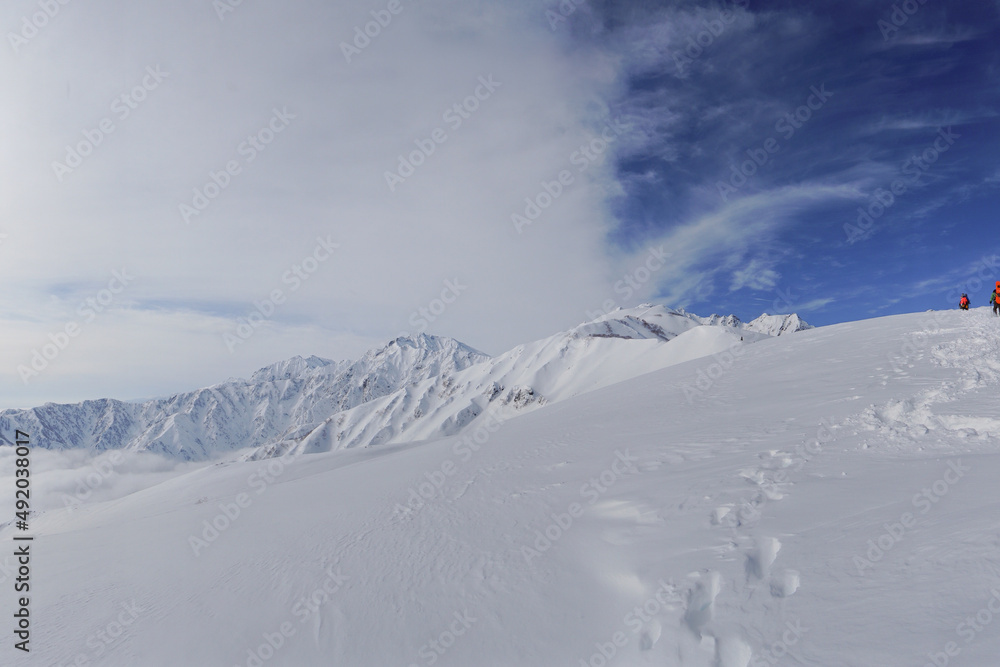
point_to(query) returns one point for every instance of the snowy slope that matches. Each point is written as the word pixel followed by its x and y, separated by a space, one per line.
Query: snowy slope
pixel 772 325
pixel 379 398
pixel 610 349
pixel 623 526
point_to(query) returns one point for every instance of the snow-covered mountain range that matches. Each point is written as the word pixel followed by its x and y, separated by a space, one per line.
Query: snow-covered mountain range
pixel 828 501
pixel 410 389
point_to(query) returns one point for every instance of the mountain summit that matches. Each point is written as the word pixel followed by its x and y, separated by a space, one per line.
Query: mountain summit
pixel 411 388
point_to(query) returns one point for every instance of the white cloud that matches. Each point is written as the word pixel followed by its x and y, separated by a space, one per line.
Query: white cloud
pixel 812 305
pixel 928 120
pixel 758 274
pixel 715 245
pixel 321 176
pixel 76 478
pixel 946 36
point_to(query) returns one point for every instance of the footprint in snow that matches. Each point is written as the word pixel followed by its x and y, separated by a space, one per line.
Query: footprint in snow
pixel 785 584
pixel 761 557
pixel 732 651
pixel 650 635
pixel 701 602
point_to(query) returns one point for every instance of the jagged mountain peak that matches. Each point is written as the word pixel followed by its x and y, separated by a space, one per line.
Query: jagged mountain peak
pixel 428 343
pixel 776 325
pixel 293 367
pixel 412 387
pixel 410 358
pixel 644 321
pixel 622 319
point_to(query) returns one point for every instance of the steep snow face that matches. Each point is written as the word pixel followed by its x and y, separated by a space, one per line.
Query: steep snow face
pixel 776 325
pixel 287 399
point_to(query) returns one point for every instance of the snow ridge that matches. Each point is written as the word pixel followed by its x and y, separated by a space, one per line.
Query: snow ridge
pixel 776 325
pixel 409 389
pixel 283 400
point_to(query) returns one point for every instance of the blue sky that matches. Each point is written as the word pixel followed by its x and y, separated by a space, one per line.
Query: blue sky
pixel 894 85
pixel 492 171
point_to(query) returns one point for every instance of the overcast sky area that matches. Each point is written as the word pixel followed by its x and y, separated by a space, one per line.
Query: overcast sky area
pixel 192 190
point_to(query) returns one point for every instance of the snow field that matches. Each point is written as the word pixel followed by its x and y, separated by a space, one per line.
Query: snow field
pixel 722 532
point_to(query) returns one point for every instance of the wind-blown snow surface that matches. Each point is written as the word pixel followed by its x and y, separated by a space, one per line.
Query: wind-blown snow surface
pixel 829 498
